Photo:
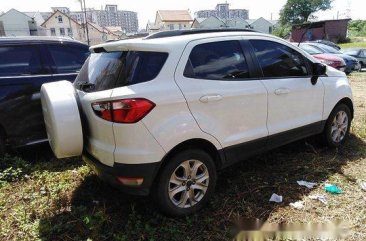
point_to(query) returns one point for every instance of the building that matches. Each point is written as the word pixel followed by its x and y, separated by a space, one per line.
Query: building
pixel 208 23
pixel 37 17
pixel 15 23
pixel 332 30
pixel 61 24
pixel 260 24
pixel 173 19
pixel 152 28
pixel 110 16
pixel 223 11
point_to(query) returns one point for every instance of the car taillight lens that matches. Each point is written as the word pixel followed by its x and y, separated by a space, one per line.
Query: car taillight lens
pixel 123 111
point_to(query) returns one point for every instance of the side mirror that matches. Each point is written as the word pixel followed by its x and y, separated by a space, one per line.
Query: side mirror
pixel 318 70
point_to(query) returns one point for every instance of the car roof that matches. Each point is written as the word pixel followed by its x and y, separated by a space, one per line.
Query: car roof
pixel 38 39
pixel 168 42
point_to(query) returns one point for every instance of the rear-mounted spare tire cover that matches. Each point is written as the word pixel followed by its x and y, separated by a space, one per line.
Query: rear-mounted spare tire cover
pixel 62 118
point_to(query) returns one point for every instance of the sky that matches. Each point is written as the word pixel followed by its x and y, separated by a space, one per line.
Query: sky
pixel 146 9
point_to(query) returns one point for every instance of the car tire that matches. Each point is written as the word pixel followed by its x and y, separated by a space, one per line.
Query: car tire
pixel 185 183
pixel 338 125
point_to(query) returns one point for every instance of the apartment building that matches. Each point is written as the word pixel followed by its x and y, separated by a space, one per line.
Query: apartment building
pixel 223 11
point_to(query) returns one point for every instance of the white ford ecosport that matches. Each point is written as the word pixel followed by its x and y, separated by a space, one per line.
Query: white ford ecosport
pixel 165 112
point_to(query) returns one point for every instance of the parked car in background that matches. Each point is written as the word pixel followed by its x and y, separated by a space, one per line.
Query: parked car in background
pixel 358 53
pixel 352 63
pixel 163 114
pixel 328 59
pixel 326 42
pixel 25 64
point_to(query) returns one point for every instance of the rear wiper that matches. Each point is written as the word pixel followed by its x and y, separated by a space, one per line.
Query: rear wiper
pixel 86 86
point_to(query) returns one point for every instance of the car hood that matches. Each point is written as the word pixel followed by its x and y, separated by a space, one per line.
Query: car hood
pixel 326 56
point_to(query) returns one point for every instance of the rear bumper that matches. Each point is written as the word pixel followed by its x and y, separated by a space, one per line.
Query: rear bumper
pixel 109 174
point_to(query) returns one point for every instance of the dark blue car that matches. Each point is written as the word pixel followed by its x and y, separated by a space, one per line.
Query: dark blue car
pixel 25 64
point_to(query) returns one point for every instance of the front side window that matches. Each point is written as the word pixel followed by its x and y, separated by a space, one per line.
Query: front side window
pixel 217 61
pixel 68 59
pixel 59 19
pixel 19 60
pixel 117 69
pixel 278 60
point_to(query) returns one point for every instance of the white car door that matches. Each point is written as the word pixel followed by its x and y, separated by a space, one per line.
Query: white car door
pixel 226 102
pixel 295 104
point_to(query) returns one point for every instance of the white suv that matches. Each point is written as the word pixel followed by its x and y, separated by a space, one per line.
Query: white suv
pixel 166 112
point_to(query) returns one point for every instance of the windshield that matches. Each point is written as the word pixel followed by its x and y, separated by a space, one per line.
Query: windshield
pixel 328 49
pixel 310 49
pixel 107 70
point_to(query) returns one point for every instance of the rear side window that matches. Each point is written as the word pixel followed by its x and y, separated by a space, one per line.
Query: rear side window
pixel 19 60
pixel 278 60
pixel 68 58
pixel 116 69
pixel 217 61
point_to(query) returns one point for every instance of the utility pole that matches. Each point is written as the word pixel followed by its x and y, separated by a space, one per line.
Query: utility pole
pixel 86 24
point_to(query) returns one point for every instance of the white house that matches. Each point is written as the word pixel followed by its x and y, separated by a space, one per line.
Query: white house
pixel 237 23
pixel 262 25
pixel 61 24
pixel 173 19
pixel 210 22
pixel 15 23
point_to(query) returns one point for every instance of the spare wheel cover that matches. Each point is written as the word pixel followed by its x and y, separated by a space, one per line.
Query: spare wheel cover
pixel 62 118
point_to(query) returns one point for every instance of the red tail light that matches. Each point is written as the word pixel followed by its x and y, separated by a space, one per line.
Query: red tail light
pixel 123 111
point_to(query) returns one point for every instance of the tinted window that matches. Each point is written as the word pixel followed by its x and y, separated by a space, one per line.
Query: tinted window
pixel 19 60
pixel 217 61
pixel 68 59
pixel 117 69
pixel 277 60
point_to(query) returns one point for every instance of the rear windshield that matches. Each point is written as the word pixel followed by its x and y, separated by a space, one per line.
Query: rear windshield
pixel 108 70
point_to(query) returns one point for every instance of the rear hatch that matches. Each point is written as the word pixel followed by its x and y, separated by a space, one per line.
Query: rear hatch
pixel 101 73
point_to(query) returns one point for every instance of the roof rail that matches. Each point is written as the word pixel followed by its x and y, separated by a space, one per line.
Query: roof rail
pixel 173 33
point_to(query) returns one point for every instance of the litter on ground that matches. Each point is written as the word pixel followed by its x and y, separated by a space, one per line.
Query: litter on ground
pixel 297 205
pixel 276 198
pixel 363 186
pixel 321 198
pixel 306 184
pixel 332 189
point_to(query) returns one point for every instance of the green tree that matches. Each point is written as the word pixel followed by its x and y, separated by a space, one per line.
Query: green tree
pixel 299 11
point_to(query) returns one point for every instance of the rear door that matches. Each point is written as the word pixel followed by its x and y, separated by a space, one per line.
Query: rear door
pixel 216 80
pixel 22 72
pixel 293 101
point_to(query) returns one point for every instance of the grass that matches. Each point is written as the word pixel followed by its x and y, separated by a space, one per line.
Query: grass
pixel 353 45
pixel 42 198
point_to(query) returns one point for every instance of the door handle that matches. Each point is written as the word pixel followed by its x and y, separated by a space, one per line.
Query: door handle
pixel 210 98
pixel 282 91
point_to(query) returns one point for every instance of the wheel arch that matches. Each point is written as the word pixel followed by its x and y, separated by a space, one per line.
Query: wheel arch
pixel 348 102
pixel 197 143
